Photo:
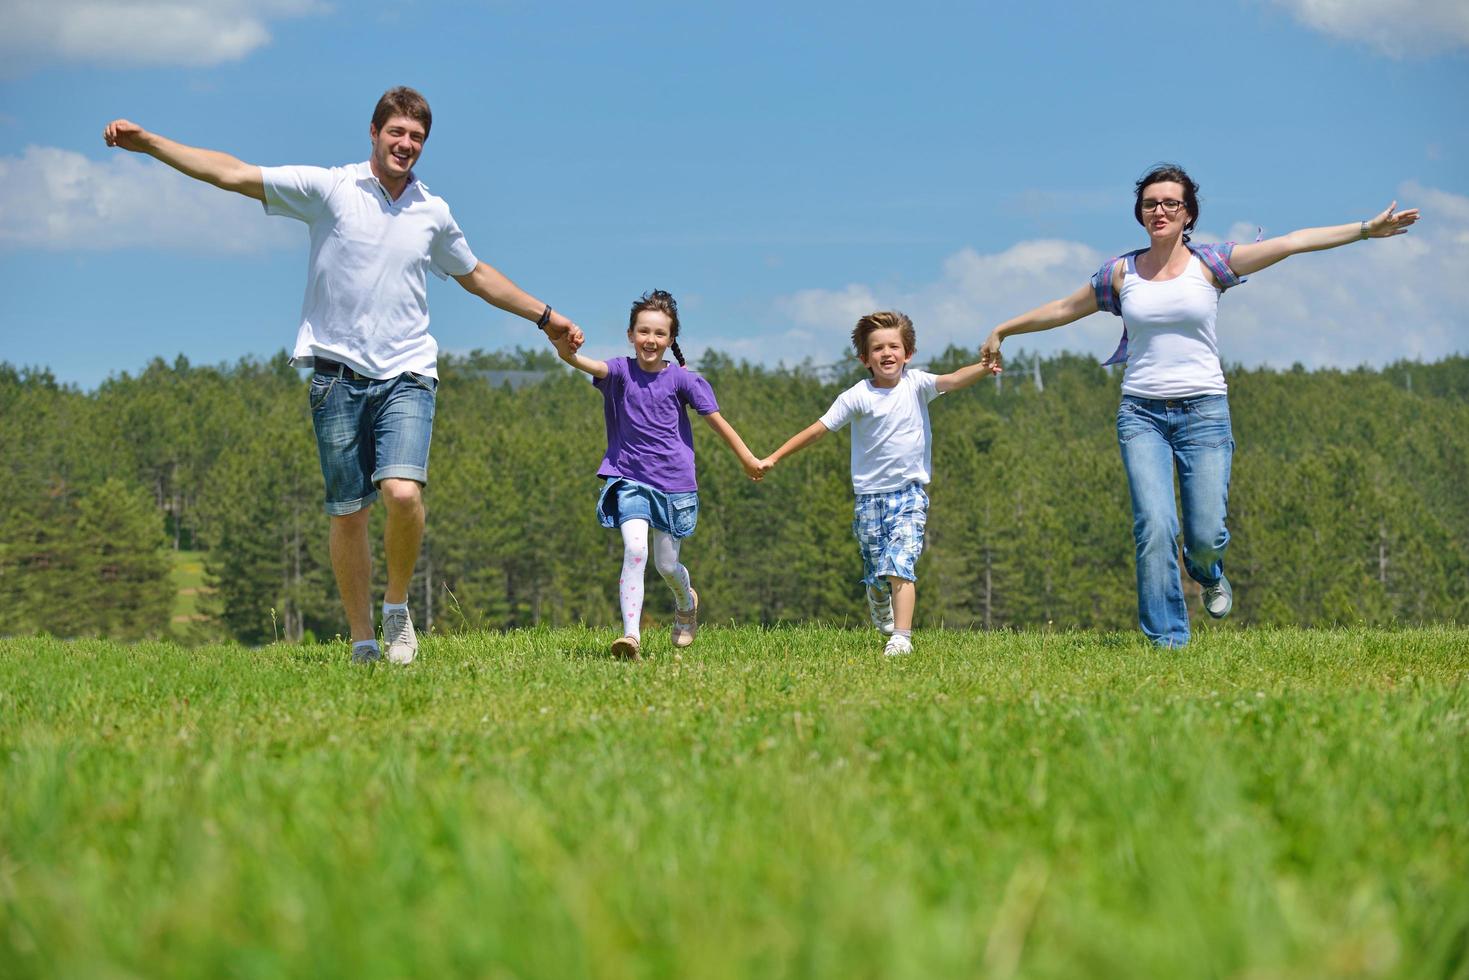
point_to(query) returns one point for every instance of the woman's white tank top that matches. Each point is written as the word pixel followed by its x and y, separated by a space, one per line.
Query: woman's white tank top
pixel 1171 348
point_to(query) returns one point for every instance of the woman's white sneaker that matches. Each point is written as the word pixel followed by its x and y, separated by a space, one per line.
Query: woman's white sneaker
pixel 1219 598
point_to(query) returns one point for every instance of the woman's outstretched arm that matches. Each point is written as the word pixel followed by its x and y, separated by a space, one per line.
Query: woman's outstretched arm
pixel 1253 257
pixel 1056 313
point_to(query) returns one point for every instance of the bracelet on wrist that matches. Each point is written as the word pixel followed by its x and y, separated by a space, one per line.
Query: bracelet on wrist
pixel 1364 229
pixel 545 317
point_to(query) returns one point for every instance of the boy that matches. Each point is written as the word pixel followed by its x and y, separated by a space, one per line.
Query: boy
pixel 891 463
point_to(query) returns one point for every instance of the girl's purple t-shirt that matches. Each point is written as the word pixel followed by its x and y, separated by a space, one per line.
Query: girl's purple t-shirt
pixel 648 434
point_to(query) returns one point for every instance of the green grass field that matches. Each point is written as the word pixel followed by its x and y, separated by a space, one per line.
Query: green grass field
pixel 780 803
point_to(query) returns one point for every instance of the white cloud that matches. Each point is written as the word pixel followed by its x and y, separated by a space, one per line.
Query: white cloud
pixel 130 33
pixel 56 199
pixel 820 307
pixel 1366 303
pixel 973 293
pixel 1396 27
pixel 1369 302
pixel 1445 210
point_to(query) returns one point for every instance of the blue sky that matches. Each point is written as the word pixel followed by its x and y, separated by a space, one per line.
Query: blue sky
pixel 781 168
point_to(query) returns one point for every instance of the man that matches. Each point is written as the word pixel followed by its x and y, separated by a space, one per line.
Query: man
pixel 375 231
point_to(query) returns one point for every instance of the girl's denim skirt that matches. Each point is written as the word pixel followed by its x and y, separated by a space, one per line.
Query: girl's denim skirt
pixel 624 500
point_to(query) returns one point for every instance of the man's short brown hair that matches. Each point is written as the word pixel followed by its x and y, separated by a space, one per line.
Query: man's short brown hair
pixel 402 101
pixel 884 321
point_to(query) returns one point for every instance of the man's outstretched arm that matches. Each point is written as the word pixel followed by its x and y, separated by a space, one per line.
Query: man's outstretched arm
pixel 495 288
pixel 210 166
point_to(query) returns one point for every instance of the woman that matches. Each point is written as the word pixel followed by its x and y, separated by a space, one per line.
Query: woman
pixel 1174 412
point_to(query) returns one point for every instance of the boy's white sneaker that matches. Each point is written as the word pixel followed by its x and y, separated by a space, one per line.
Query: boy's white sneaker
pixel 880 608
pixel 898 646
pixel 398 634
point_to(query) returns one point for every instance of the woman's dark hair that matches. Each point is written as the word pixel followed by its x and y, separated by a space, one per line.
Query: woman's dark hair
pixel 1163 173
pixel 660 301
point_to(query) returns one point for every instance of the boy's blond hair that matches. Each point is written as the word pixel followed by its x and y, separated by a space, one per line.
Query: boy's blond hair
pixel 885 320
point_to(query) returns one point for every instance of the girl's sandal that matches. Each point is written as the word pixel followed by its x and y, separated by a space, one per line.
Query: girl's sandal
pixel 686 623
pixel 627 648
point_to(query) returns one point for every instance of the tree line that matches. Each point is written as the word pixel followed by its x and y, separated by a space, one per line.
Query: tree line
pixel 1348 501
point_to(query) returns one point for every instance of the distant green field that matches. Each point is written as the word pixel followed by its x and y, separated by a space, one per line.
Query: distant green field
pixel 780 803
pixel 189 585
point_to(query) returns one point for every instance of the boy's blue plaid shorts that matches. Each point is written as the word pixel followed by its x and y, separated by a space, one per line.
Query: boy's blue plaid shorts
pixel 889 529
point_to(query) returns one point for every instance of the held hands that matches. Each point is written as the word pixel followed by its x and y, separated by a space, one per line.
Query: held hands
pixel 561 330
pixel 756 469
pixel 1390 222
pixel 562 343
pixel 125 134
pixel 989 354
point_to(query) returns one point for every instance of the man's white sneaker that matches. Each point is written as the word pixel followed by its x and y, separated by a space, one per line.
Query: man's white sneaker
pixel 880 608
pixel 898 646
pixel 398 634
pixel 1219 598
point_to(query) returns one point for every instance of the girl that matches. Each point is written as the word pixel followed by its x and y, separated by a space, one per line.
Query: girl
pixel 1174 414
pixel 649 465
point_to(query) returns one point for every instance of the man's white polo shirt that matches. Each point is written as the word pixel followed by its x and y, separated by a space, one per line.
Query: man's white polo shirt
pixel 366 301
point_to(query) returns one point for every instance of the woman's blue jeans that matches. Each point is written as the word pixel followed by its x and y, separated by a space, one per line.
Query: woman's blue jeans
pixel 1156 436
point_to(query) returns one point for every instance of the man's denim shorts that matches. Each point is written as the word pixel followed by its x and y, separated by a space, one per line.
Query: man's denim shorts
pixel 624 500
pixel 889 529
pixel 368 431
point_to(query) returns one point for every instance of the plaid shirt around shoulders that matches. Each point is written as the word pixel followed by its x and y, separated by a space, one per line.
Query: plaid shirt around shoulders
pixel 1214 256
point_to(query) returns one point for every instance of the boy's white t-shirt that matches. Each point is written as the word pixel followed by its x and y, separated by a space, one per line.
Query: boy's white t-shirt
pixel 891 437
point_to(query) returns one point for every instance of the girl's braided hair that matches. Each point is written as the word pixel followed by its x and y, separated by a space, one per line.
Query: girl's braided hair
pixel 660 301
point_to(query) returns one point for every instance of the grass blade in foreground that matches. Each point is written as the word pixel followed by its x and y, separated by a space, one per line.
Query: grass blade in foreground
pixel 777 803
